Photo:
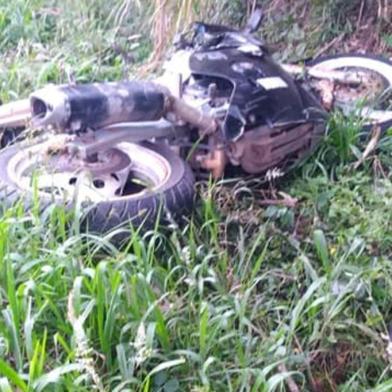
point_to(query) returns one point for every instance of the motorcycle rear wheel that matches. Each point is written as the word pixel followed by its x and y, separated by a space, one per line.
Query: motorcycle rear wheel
pixel 378 92
pixel 171 190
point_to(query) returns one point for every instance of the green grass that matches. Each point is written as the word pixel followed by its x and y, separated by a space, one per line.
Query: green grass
pixel 217 305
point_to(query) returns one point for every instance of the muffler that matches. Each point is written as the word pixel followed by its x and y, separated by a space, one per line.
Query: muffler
pixel 69 108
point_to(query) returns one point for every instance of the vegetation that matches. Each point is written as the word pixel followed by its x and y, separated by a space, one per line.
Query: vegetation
pixel 245 297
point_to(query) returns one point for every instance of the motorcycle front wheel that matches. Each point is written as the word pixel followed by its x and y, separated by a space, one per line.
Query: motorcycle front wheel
pixel 372 98
pixel 131 184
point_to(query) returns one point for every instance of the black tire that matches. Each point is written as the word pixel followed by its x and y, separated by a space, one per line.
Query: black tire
pixel 375 63
pixel 10 136
pixel 174 198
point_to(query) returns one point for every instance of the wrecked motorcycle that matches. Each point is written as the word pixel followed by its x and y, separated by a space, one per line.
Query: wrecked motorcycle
pixel 129 150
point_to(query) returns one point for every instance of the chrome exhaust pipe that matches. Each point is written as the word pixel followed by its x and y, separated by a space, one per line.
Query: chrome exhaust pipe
pixel 15 114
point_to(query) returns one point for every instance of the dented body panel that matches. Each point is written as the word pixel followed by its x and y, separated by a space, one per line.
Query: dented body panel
pixel 263 94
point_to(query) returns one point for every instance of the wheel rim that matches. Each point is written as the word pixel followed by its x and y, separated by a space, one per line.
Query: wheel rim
pixel 378 80
pixel 127 171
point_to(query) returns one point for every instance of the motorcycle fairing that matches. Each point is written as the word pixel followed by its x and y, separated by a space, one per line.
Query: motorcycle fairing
pixel 262 92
